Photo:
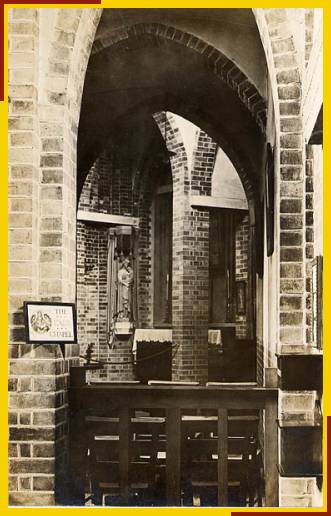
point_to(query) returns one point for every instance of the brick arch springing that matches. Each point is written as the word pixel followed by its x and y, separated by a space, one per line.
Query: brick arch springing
pixel 179 163
pixel 205 144
pixel 203 166
pixel 224 68
pixel 309 33
pixel 282 62
pixel 69 51
pixel 241 165
pixel 245 173
pixel 70 48
pixel 169 130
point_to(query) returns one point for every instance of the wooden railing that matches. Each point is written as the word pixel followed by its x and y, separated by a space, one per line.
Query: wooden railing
pixel 105 401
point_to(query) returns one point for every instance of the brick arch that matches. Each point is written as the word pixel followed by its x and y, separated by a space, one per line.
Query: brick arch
pixel 224 68
pixel 166 123
pixel 290 308
pixel 246 176
pixel 282 61
pixel 313 85
pixel 179 162
pixel 286 89
pixel 204 145
pixel 70 48
pixel 309 32
pixel 205 142
pixel 63 81
pixel 158 35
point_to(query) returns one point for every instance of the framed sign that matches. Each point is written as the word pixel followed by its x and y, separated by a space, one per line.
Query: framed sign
pixel 50 322
pixel 270 199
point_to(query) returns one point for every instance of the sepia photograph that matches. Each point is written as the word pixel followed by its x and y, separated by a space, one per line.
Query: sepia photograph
pixel 165 257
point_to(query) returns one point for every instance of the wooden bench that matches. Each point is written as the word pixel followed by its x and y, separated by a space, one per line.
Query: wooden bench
pixel 103 430
pixel 146 441
pixel 200 459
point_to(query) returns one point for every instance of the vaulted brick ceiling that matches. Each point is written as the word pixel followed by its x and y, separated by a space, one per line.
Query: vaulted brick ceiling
pixel 231 31
pixel 129 80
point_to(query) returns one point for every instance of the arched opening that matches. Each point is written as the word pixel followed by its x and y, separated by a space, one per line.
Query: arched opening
pixel 148 69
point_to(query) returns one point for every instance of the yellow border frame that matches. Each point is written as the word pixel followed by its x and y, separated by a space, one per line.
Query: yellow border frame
pixel 4 257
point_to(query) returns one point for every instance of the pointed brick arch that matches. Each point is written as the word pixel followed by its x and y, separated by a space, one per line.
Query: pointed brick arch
pixel 166 123
pixel 69 51
pixel 225 69
pixel 285 79
pixel 144 35
pixel 202 169
pixel 291 263
pixel 244 172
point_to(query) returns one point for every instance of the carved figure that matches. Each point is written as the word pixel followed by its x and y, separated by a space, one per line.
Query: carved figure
pixel 124 290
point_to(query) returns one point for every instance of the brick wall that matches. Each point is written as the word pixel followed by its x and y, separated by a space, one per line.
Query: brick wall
pixel 144 249
pixel 92 288
pixel 108 189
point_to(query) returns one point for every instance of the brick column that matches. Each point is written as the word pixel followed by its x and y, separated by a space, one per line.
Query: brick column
pixel 42 267
pixel 57 271
pixel 190 290
pixel 36 373
pixel 285 64
pixel 31 417
pixel 42 253
pixel 191 264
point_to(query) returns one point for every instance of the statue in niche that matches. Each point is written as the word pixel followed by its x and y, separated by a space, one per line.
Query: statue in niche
pixel 124 290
